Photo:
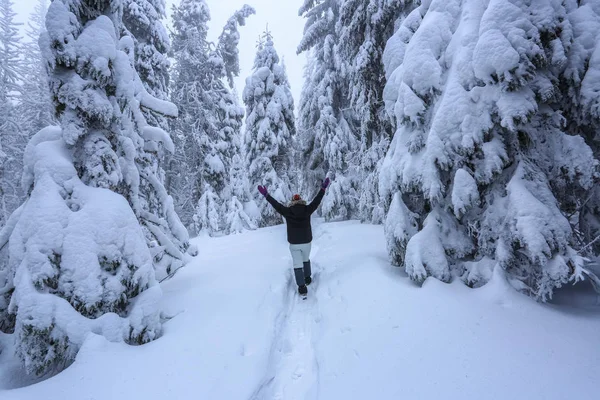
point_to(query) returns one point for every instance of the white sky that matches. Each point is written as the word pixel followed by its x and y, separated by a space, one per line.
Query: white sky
pixel 280 15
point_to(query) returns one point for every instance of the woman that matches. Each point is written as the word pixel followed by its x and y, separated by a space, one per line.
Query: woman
pixel 299 231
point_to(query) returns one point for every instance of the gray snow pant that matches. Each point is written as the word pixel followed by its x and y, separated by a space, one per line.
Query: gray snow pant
pixel 301 261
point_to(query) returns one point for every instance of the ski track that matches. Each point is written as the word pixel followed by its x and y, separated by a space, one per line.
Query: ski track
pixel 293 367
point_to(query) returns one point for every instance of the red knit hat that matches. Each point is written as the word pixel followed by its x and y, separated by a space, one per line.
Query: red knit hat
pixel 296 197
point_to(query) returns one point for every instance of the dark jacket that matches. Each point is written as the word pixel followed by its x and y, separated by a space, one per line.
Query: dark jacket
pixel 297 217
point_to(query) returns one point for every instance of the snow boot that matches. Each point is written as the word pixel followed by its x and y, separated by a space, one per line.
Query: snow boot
pixel 302 290
pixel 307 273
pixel 299 275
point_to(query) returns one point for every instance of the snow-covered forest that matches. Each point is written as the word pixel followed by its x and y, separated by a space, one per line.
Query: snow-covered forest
pixel 468 131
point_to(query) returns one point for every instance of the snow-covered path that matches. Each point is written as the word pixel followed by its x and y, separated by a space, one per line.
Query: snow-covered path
pixel 239 331
pixel 293 366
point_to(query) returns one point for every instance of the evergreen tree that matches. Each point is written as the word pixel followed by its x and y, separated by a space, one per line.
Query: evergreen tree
pixel 11 131
pixel 9 52
pixel 78 259
pixel 31 113
pixel 480 157
pixel 164 231
pixel 35 108
pixel 238 218
pixel 326 140
pixel 236 196
pixel 579 82
pixel 210 122
pixel 191 53
pixel 270 128
pixel 363 27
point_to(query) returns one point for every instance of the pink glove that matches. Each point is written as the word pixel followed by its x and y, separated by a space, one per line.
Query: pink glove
pixel 263 190
pixel 325 184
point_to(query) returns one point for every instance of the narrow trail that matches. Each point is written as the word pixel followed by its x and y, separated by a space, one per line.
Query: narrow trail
pixel 293 368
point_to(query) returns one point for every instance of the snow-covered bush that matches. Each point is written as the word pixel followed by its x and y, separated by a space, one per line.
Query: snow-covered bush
pixel 270 128
pixel 481 144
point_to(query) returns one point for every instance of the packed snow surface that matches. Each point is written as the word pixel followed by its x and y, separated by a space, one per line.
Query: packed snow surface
pixel 238 330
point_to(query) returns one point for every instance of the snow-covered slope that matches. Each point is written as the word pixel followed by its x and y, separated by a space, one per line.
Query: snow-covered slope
pixel 239 331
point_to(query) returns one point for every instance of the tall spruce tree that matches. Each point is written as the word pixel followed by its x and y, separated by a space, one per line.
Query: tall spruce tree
pixel 34 102
pixel 210 124
pixel 238 218
pixel 32 109
pixel 236 196
pixel 227 142
pixel 481 158
pixel 78 259
pixel 363 27
pixel 326 139
pixel 165 234
pixel 11 145
pixel 10 45
pixel 11 131
pixel 270 128
pixel 579 82
pixel 191 53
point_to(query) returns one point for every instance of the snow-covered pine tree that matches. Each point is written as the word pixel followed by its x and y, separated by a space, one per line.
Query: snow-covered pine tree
pixel 239 208
pixel 270 129
pixel 11 131
pixel 471 174
pixel 230 132
pixel 580 81
pixel 165 234
pixel 33 110
pixel 326 140
pixel 238 218
pixel 10 45
pixel 10 145
pixel 189 92
pixel 235 196
pixel 34 102
pixel 363 27
pixel 78 259
pixel 210 122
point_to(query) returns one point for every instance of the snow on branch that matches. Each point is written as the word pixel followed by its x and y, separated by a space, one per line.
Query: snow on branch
pixel 158 135
pixel 160 106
